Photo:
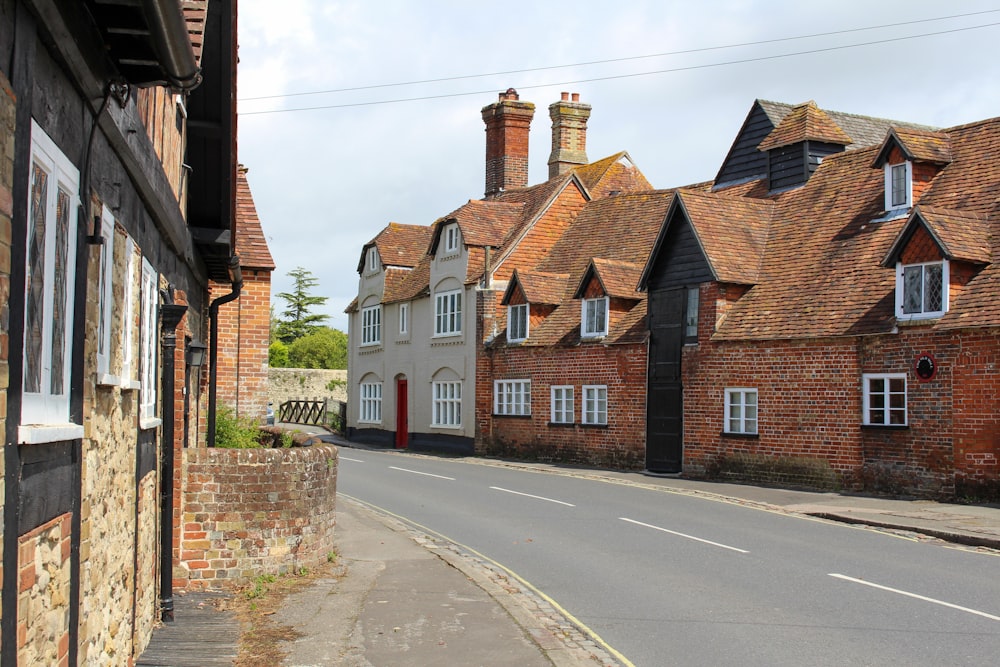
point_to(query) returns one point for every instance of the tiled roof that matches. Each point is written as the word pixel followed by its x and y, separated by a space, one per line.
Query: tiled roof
pixel 251 245
pixel 395 288
pixel 613 174
pixel 402 245
pixel 917 145
pixel 619 279
pixel 961 236
pixel 195 15
pixel 805 122
pixel 542 288
pixel 483 222
pixel 732 232
pixel 415 283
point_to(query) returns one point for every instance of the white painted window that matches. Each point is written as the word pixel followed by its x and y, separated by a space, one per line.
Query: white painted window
pixel 921 290
pixel 404 318
pixel 105 299
pixel 562 404
pixel 517 322
pixel 128 374
pixel 371 325
pixel 594 318
pixel 898 185
pixel 50 269
pixel 595 404
pixel 885 399
pixel 691 316
pixel 150 301
pixel 741 410
pixel 371 402
pixel 447 404
pixel 448 313
pixel 512 397
pixel 451 239
pixel 373 261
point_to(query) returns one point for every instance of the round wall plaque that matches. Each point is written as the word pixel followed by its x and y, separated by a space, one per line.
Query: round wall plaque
pixel 925 366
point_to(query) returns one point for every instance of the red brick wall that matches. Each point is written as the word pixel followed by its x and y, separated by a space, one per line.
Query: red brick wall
pixel 537 243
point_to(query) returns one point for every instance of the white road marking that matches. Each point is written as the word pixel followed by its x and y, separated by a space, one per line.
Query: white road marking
pixel 690 537
pixel 916 596
pixel 347 458
pixel 417 472
pixel 518 493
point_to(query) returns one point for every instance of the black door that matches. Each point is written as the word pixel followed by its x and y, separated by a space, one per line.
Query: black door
pixel 664 408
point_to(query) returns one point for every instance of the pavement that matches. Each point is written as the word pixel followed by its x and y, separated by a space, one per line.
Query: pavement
pixel 401 597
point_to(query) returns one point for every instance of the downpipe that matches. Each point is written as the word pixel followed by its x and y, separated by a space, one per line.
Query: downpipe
pixel 236 278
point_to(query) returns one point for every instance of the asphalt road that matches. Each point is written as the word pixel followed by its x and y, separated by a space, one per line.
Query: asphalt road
pixel 672 579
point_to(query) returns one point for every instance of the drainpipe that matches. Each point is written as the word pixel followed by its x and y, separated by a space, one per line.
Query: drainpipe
pixel 170 317
pixel 172 43
pixel 236 278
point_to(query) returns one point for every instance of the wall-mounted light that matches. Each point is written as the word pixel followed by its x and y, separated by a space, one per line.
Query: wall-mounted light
pixel 196 353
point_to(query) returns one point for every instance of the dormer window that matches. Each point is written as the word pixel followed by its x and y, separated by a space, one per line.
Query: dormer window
pixel 594 318
pixel 898 186
pixel 517 323
pixel 373 261
pixel 921 290
pixel 451 239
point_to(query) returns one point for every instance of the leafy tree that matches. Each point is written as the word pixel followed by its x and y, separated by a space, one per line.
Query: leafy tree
pixel 277 355
pixel 323 348
pixel 298 320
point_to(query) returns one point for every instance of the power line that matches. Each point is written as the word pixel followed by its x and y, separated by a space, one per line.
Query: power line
pixel 612 60
pixel 623 76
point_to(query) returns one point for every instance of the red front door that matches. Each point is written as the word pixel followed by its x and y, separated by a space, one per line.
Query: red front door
pixel 401 420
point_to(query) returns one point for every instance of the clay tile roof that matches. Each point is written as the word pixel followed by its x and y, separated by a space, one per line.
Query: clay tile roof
pixel 251 245
pixel 408 285
pixel 395 288
pixel 619 279
pixel 195 14
pixel 484 222
pixel 961 236
pixel 917 145
pixel 805 122
pixel 401 245
pixel 732 232
pixel 543 288
pixel 615 173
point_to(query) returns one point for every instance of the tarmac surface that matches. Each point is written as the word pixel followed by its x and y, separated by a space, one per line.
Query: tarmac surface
pixel 403 598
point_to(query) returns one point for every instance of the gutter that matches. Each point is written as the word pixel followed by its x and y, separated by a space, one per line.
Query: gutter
pixel 236 278
pixel 172 43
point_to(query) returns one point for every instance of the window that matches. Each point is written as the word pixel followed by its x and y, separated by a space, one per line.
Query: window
pixel 885 399
pixel 50 267
pixel 921 290
pixel 594 318
pixel 562 404
pixel 105 299
pixel 741 411
pixel 147 341
pixel 512 397
pixel 371 402
pixel 691 316
pixel 595 404
pixel 451 239
pixel 447 405
pixel 371 325
pixel 404 318
pixel 373 261
pixel 448 313
pixel 128 379
pixel 517 322
pixel 898 185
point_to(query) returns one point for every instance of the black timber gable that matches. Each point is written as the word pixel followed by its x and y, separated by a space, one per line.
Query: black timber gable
pixel 792 165
pixel 744 161
pixel 678 260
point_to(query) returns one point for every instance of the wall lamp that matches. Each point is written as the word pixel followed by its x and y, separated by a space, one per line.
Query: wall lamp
pixel 196 353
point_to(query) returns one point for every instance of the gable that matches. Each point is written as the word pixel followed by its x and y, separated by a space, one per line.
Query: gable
pixel 679 259
pixel 744 161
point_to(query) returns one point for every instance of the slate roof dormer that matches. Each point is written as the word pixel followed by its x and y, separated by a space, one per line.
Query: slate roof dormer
pixel 799 143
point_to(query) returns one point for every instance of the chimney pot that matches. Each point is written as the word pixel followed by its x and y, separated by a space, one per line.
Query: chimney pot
pixel 565 96
pixel 576 97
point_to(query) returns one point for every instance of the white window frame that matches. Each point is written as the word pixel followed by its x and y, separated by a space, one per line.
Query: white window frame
pixel 512 397
pixel 691 315
pixel 128 374
pixel 594 408
pixel 448 313
pixel 451 239
pixel 907 166
pixel 887 410
pixel 373 260
pixel 588 328
pixel 49 406
pixel 370 403
pixel 446 404
pixel 517 322
pixel 737 406
pixel 562 410
pixel 105 302
pixel 371 325
pixel 901 290
pixel 404 319
pixel 150 298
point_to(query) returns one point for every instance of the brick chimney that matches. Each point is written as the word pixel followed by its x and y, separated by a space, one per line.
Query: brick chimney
pixel 569 134
pixel 507 123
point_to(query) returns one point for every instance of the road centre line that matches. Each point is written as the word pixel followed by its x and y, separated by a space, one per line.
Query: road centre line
pixel 916 596
pixel 417 472
pixel 690 537
pixel 528 495
pixel 348 458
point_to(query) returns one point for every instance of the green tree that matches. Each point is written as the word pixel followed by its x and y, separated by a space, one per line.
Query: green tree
pixel 323 348
pixel 298 318
pixel 277 355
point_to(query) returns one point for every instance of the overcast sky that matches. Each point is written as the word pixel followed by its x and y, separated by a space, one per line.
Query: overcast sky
pixel 326 180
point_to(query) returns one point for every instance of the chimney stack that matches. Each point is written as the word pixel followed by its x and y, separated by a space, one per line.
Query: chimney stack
pixel 569 134
pixel 507 123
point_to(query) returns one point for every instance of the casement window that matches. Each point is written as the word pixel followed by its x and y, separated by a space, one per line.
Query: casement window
pixel 147 389
pixel 404 318
pixel 446 409
pixel 921 290
pixel 128 377
pixel 371 325
pixel 373 261
pixel 691 316
pixel 105 299
pixel 451 238
pixel 371 402
pixel 448 313
pixel 595 404
pixel 594 318
pixel 50 269
pixel 884 399
pixel 512 397
pixel 517 322
pixel 562 404
pixel 741 411
pixel 898 185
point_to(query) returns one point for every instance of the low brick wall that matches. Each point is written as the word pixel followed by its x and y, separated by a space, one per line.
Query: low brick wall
pixel 248 512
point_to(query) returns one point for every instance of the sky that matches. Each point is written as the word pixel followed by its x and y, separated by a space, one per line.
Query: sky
pixel 399 135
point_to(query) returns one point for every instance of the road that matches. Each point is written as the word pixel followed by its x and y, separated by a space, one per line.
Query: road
pixel 673 579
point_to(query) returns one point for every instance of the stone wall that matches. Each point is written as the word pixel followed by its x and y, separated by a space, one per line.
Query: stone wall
pixel 43 594
pixel 287 384
pixel 249 512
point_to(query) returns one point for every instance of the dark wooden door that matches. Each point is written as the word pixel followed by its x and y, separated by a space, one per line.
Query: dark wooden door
pixel 665 396
pixel 402 420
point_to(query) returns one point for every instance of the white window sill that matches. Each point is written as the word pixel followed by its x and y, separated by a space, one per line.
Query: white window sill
pixel 448 427
pixel 36 434
pixel 130 385
pixel 146 423
pixel 894 214
pixel 108 380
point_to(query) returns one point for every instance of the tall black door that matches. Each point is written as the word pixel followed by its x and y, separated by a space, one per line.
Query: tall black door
pixel 664 408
